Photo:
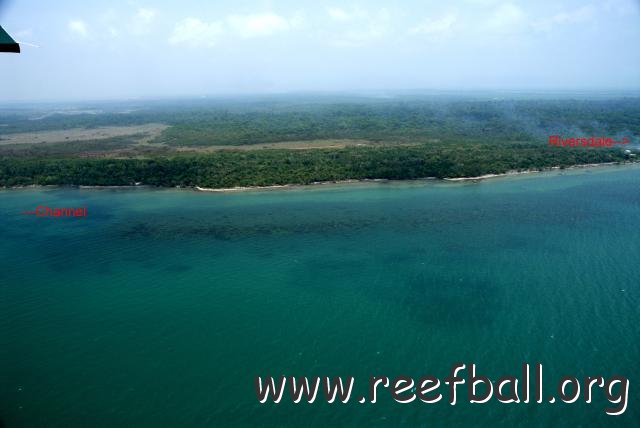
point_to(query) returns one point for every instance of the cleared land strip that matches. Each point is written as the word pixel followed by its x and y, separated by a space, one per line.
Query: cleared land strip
pixel 143 133
pixel 291 145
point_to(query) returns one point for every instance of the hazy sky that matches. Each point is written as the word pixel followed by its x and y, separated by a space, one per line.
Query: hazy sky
pixel 124 49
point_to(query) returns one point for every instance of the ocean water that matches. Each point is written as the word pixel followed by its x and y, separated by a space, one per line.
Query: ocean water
pixel 160 307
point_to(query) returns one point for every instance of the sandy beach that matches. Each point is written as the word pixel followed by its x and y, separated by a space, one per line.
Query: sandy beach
pixel 456 179
pixel 335 182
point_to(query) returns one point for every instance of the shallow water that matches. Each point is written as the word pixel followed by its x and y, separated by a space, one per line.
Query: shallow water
pixel 160 307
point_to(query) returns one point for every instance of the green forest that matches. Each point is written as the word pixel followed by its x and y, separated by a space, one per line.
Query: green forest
pixel 414 138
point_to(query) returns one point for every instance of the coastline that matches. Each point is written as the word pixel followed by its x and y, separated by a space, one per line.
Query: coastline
pixel 385 180
pixel 325 183
pixel 290 186
pixel 533 171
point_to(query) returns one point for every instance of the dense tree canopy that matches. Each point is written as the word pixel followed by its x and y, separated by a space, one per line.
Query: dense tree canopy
pixel 414 137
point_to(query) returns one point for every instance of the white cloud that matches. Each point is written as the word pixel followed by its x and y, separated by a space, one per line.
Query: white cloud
pixel 258 25
pixel 142 20
pixel 364 27
pixel 297 21
pixel 146 15
pixel 438 26
pixel 109 20
pixel 194 32
pixel 78 26
pixel 338 14
pixel 583 14
pixel 505 18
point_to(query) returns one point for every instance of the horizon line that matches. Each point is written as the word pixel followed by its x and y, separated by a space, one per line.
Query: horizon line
pixel 368 93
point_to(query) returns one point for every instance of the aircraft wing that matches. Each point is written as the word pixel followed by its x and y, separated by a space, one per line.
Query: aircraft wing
pixel 7 44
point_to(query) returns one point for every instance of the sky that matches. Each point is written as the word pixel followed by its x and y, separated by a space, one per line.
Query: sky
pixel 126 49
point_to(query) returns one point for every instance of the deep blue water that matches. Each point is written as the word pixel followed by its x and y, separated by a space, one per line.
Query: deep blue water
pixel 161 306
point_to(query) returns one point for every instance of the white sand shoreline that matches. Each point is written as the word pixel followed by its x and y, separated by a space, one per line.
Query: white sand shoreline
pixel 531 171
pixel 455 179
pixel 284 186
pixel 326 183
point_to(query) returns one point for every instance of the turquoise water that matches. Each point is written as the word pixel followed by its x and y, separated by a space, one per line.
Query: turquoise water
pixel 161 306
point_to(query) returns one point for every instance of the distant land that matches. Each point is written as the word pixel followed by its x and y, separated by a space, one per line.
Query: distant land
pixel 301 139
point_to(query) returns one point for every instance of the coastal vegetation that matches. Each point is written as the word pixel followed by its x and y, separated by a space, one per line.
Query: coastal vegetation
pixel 301 141
pixel 273 167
